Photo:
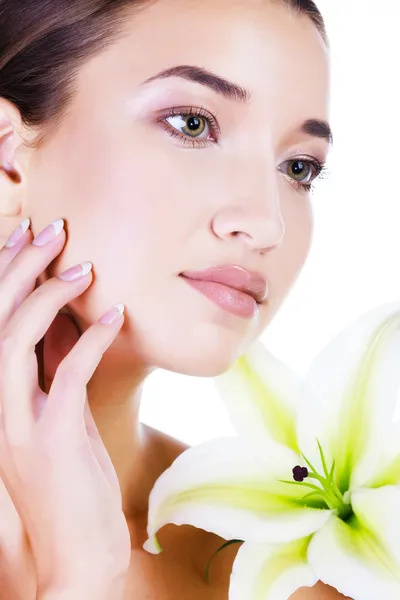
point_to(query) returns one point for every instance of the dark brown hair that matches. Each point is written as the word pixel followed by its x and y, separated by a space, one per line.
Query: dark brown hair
pixel 44 42
pixel 310 9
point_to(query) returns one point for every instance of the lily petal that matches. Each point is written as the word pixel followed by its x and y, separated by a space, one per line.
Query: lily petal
pixel 264 572
pixel 378 511
pixel 350 396
pixel 260 394
pixel 389 468
pixel 229 486
pixel 348 557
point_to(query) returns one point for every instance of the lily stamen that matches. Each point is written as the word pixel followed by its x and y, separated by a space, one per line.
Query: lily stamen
pixel 329 491
pixel 300 473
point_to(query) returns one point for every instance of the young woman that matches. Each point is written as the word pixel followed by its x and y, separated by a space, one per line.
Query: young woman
pixel 172 143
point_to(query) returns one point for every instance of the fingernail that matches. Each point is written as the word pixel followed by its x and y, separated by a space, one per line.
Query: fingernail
pixel 18 233
pixel 112 315
pixel 49 233
pixel 76 272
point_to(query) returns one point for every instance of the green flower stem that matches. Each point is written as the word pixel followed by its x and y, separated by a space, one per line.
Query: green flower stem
pixel 322 480
pixel 331 492
pixel 329 499
pixel 327 487
pixel 310 485
pixel 224 545
pixel 323 459
pixel 338 493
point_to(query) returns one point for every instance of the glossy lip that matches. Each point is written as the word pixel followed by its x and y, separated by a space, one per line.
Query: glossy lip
pixel 234 276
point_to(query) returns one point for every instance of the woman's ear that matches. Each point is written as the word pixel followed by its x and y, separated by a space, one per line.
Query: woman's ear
pixel 12 174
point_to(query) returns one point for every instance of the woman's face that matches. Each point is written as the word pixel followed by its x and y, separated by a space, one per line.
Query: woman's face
pixel 147 196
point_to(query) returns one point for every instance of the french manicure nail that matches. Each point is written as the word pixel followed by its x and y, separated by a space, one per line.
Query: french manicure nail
pixel 49 233
pixel 112 315
pixel 18 233
pixel 76 272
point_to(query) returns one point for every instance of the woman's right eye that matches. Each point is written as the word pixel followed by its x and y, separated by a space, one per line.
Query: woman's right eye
pixel 188 124
pixel 303 171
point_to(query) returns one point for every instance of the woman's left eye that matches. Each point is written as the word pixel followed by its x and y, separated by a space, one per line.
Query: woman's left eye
pixel 196 127
pixel 303 171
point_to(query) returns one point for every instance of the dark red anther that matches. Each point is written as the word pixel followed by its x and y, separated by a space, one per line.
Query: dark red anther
pixel 300 473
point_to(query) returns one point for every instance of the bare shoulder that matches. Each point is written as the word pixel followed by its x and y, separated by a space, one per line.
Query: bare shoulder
pixel 170 447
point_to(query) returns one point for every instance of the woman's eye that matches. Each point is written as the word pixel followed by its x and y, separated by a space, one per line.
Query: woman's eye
pixel 302 171
pixel 191 125
pixel 194 126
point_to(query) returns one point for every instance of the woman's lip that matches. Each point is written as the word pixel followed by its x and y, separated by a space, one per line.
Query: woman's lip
pixel 228 298
pixel 233 276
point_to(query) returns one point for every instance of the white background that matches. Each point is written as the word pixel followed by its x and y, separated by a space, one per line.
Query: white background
pixel 354 262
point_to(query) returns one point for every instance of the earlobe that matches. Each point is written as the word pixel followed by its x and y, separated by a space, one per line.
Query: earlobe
pixel 10 202
pixel 9 121
pixel 10 171
pixel 7 145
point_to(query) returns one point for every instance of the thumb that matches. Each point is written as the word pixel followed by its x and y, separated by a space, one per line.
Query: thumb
pixel 60 338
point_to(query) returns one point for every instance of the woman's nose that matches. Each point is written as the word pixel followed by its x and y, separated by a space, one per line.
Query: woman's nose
pixel 252 213
pixel 257 223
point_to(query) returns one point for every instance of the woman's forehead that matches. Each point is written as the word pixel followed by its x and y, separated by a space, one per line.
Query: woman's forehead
pixel 262 46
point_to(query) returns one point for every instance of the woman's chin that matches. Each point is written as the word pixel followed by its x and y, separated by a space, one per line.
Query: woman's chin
pixel 200 360
pixel 199 367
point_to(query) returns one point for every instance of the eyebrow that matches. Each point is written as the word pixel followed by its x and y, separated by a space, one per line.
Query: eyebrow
pixel 217 84
pixel 318 128
pixel 313 127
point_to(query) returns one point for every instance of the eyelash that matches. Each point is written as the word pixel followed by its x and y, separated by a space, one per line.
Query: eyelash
pixel 187 112
pixel 318 166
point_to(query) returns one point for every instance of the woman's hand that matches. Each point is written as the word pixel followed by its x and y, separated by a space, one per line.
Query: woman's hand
pixel 17 568
pixel 52 460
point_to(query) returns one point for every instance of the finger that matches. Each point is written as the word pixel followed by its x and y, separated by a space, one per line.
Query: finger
pixel 18 364
pixel 19 275
pixel 7 255
pixel 67 395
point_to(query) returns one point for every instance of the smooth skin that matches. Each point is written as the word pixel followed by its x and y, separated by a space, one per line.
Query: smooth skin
pixel 76 532
pixel 59 437
pixel 144 204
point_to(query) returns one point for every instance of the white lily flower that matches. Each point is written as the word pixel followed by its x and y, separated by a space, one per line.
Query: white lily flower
pixel 311 485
